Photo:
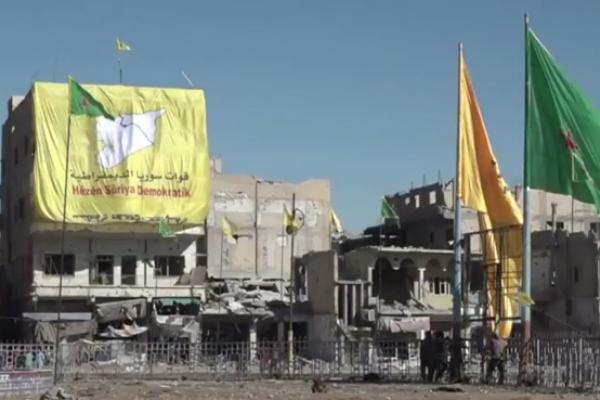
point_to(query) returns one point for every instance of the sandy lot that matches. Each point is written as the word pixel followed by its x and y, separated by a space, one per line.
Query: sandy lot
pixel 295 390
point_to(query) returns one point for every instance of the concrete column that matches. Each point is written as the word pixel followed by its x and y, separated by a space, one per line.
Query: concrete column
pixel 421 283
pixel 354 301
pixel 361 297
pixel 140 276
pixel 117 272
pixel 468 342
pixel 345 302
pixel 370 351
pixel 280 342
pixel 416 288
pixel 253 339
pixel 370 278
pixel 341 355
pixel 280 331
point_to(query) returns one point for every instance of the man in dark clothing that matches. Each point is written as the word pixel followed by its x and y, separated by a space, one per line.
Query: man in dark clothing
pixel 441 355
pixel 426 354
pixel 496 348
pixel 456 361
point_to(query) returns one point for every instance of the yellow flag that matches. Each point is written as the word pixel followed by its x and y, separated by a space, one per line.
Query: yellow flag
pixel 335 222
pixel 229 231
pixel 522 299
pixel 288 221
pixel 122 46
pixel 482 188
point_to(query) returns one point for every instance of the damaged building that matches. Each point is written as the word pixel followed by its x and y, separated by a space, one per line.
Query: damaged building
pixel 566 281
pixel 564 249
pixel 249 277
pixel 128 281
pixel 388 293
pixel 102 263
pixel 427 215
pixel 394 280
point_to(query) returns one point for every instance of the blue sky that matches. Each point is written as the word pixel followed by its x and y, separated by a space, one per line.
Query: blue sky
pixel 362 93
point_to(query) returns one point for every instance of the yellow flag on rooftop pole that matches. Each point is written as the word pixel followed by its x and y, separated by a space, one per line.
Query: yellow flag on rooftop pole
pixel 289 222
pixel 335 222
pixel 482 188
pixel 122 46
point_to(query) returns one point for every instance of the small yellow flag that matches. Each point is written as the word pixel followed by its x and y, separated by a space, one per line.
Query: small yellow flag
pixel 122 46
pixel 229 231
pixel 288 221
pixel 521 298
pixel 335 222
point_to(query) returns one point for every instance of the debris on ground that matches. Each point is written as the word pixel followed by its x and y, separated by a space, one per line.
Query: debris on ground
pixel 56 393
pixel 372 377
pixel 117 388
pixel 448 389
pixel 318 386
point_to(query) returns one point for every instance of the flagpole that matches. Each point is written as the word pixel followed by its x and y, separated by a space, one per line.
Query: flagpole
pixel 572 213
pixel 292 283
pixel 120 70
pixel 379 273
pixel 329 233
pixel 457 270
pixel 62 250
pixel 256 182
pixel 282 256
pixel 526 310
pixel 221 262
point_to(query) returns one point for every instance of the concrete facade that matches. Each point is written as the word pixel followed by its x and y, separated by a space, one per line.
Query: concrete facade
pixel 140 277
pixel 572 216
pixel 427 214
pixel 102 261
pixel 372 291
pixel 565 277
pixel 320 286
pixel 565 285
pixel 262 250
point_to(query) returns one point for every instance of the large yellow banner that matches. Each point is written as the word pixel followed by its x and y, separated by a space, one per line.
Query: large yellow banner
pixel 482 188
pixel 150 163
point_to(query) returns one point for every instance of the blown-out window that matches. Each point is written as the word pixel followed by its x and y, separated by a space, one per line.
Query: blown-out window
pixel 169 265
pixel 52 264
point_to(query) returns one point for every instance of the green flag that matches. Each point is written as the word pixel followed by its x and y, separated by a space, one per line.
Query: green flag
pixel 562 134
pixel 163 229
pixel 83 103
pixel 387 211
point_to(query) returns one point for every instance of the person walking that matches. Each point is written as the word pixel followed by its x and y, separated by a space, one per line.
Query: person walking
pixel 426 356
pixel 497 347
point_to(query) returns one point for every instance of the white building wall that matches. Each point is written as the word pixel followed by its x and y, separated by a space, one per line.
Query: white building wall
pixel 86 249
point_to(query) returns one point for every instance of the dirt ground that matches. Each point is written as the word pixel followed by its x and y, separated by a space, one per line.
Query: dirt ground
pixel 296 390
